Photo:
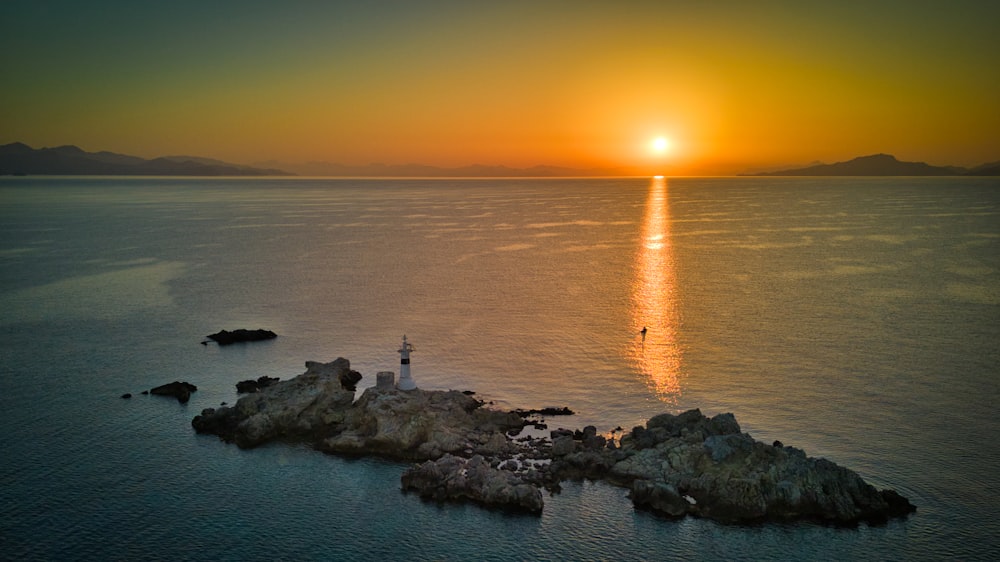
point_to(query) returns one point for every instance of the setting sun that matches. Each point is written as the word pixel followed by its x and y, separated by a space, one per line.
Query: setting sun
pixel 681 88
pixel 660 145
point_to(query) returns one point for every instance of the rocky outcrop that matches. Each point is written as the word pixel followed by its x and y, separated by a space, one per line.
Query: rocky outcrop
pixel 251 385
pixel 310 404
pixel 421 425
pixel 179 390
pixel 226 337
pixel 455 478
pixel 677 465
pixel 316 407
pixel 690 464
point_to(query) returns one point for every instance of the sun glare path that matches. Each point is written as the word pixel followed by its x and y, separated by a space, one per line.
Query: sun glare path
pixel 655 351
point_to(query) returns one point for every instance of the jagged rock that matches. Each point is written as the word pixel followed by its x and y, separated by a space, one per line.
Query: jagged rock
pixel 127 395
pixel 308 405
pixel 349 380
pixel 730 477
pixel 450 478
pixel 563 445
pixel 225 337
pixel 250 385
pixel 421 425
pixel 179 390
pixel 658 496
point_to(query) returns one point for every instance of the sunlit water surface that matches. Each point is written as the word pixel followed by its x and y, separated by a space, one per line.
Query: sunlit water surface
pixel 858 319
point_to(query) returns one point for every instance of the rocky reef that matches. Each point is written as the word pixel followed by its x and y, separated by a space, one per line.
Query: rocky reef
pixel 179 390
pixel 225 337
pixel 676 465
pixel 476 479
pixel 690 464
pixel 251 385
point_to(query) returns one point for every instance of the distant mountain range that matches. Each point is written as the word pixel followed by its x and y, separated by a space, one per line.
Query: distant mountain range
pixel 20 159
pixel 424 171
pixel 885 165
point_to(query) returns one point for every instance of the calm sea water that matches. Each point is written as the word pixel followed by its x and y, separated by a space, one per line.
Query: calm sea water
pixel 856 318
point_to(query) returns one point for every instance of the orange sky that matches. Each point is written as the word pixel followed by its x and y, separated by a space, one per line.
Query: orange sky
pixel 734 85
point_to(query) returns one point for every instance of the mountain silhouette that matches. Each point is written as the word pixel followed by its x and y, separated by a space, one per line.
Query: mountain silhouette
pixel 20 159
pixel 331 169
pixel 874 165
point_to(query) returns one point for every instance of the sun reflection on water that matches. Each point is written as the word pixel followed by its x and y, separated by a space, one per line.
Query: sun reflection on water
pixel 655 352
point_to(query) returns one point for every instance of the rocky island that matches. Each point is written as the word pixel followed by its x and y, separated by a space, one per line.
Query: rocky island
pixel 675 465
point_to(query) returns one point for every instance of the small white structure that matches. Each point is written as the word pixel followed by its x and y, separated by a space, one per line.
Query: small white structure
pixel 385 380
pixel 405 380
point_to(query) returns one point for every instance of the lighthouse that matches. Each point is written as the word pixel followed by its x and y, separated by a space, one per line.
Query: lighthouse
pixel 405 380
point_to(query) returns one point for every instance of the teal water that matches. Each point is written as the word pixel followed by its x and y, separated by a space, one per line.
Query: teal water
pixel 856 318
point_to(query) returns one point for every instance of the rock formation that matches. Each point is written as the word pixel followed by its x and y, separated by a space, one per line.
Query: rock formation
pixel 309 404
pixel 691 464
pixel 251 385
pixel 179 390
pixel 677 465
pixel 225 337
pixel 455 478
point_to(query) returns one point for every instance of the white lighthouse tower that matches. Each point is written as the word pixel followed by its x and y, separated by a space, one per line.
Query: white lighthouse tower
pixel 405 380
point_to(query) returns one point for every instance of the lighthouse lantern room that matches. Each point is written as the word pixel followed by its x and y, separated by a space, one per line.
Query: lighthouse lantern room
pixel 405 380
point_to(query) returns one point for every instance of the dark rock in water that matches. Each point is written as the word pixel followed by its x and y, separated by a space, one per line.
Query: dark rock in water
pixel 226 337
pixel 246 386
pixel 660 497
pixel 898 506
pixel 179 390
pixel 127 395
pixel 251 385
pixel 548 411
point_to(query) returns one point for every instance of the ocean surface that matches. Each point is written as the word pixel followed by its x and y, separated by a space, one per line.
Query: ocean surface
pixel 856 318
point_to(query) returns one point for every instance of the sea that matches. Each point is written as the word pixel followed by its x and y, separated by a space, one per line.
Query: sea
pixel 855 318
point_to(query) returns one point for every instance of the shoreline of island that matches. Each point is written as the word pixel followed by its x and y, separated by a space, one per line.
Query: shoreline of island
pixel 675 465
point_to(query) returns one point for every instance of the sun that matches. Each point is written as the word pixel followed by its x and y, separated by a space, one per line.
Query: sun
pixel 660 145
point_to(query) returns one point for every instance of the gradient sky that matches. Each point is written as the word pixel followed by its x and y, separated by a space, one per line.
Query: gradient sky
pixel 734 85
